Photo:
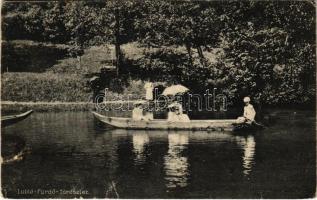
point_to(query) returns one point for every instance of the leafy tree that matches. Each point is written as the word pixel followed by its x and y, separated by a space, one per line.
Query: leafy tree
pixel 81 26
pixel 265 54
pixel 266 48
pixel 189 24
pixel 53 23
pixel 115 25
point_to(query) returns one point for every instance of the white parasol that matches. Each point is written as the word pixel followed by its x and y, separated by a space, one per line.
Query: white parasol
pixel 175 89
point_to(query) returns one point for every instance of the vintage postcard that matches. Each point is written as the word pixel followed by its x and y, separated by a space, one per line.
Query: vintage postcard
pixel 148 99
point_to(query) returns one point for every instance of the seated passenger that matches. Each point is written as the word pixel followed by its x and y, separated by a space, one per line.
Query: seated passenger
pixel 176 113
pixel 141 113
pixel 149 115
pixel 172 116
pixel 137 112
pixel 183 118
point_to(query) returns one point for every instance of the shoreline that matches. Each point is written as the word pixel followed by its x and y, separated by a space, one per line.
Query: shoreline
pixel 60 102
pixel 58 106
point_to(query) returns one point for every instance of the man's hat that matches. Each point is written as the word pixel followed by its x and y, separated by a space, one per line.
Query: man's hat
pixel 246 99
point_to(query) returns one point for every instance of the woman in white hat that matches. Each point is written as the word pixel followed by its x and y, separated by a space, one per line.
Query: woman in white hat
pixel 249 112
pixel 137 112
pixel 176 113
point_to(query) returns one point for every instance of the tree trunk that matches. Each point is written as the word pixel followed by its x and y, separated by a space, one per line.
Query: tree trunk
pixel 117 41
pixel 189 51
pixel 118 56
pixel 201 56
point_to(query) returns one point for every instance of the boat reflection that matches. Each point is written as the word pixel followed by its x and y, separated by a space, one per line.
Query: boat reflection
pixel 175 163
pixel 248 146
pixel 139 140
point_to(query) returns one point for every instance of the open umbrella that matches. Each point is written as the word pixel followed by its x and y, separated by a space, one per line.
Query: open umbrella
pixel 175 89
pixel 139 102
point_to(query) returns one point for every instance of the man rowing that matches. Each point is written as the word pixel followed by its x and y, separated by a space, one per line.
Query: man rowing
pixel 248 113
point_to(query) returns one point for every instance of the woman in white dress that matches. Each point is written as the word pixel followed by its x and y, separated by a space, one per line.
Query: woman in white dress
pixel 176 113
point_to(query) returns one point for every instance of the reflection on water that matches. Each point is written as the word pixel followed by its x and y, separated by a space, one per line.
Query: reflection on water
pixel 175 163
pixel 248 146
pixel 139 141
pixel 69 151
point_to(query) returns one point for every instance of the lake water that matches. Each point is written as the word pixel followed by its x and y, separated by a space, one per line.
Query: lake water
pixel 71 155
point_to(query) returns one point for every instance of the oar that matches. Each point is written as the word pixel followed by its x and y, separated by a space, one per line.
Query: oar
pixel 258 124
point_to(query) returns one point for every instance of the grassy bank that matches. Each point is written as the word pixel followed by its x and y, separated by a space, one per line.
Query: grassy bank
pixel 16 107
pixel 30 56
pixel 52 87
pixel 20 86
pixel 36 76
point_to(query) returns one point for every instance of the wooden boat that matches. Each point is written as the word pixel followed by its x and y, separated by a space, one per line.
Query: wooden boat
pixel 161 124
pixel 247 127
pixel 12 119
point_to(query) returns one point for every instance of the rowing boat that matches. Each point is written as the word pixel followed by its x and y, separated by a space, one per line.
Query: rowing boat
pixel 12 119
pixel 161 124
pixel 243 127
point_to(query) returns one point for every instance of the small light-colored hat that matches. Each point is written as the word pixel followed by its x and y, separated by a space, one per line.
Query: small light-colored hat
pixel 139 103
pixel 173 105
pixel 246 99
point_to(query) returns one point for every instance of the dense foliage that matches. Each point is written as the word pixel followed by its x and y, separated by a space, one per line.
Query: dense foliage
pixel 266 49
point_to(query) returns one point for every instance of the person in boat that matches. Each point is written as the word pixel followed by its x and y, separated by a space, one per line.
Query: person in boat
pixel 248 113
pixel 140 113
pixel 148 113
pixel 137 112
pixel 176 114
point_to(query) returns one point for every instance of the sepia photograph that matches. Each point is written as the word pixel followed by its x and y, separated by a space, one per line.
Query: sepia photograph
pixel 158 99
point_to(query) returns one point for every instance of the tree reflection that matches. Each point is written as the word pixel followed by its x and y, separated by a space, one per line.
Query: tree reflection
pixel 175 164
